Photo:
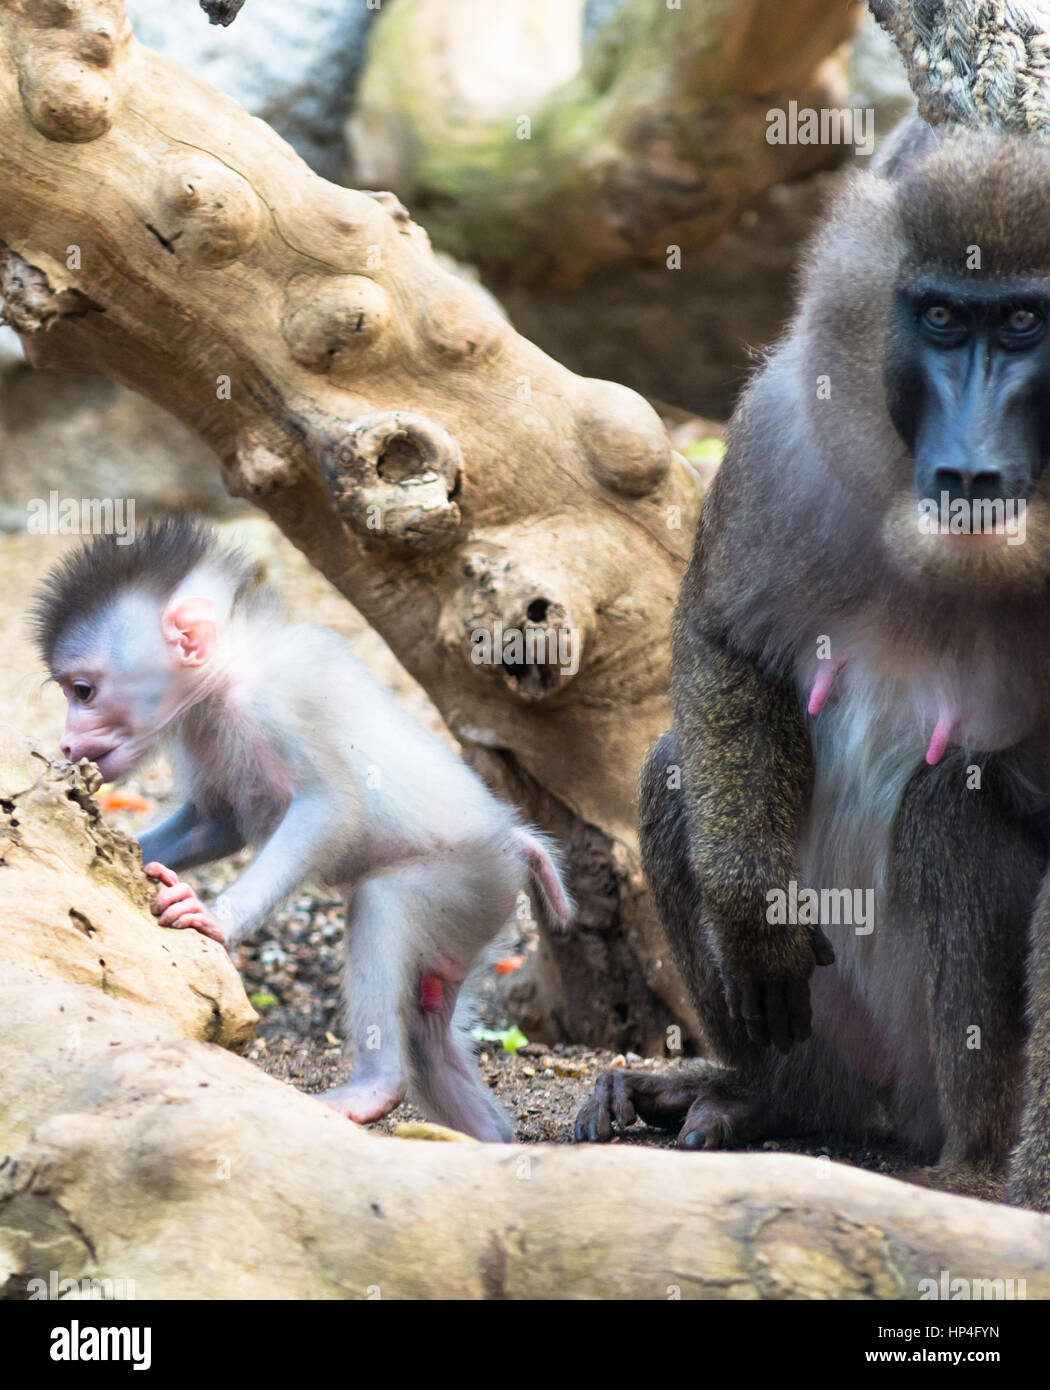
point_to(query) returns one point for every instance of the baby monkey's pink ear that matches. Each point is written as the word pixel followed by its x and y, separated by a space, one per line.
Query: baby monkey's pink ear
pixel 188 627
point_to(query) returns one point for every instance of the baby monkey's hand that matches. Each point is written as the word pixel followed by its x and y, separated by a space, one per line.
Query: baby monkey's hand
pixel 177 905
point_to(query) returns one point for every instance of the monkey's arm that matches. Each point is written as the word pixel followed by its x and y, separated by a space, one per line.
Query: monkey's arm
pixel 189 837
pixel 295 847
pixel 746 778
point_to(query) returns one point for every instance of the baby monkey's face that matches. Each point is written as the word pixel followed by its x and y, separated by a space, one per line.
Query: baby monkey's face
pixel 126 676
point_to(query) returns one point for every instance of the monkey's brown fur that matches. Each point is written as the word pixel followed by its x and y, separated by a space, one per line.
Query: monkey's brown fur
pixel 919 1028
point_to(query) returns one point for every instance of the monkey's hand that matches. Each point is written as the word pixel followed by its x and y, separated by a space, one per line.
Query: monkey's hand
pixel 772 1001
pixel 177 905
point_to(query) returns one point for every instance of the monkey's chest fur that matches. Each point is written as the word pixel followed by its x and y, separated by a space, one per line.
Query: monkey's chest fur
pixel 229 768
pixel 868 746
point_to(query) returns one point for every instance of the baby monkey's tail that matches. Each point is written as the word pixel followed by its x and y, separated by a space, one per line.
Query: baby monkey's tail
pixel 545 870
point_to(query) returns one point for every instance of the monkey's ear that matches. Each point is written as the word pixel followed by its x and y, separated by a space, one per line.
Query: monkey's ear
pixel 188 627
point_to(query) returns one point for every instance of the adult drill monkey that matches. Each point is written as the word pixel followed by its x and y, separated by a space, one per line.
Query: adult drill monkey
pixel 285 741
pixel 861 702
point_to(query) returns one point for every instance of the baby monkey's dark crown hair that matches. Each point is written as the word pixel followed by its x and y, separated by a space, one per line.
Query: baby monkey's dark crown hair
pixel 159 558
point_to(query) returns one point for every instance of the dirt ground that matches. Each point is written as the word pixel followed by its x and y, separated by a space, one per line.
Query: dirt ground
pixel 292 969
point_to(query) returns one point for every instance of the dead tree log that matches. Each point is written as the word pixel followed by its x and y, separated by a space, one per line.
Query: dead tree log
pixel 74 906
pixel 656 138
pixel 138 1156
pixel 149 1158
pixel 446 475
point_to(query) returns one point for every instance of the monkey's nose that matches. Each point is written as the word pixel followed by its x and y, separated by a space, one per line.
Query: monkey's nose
pixel 962 484
pixel 67 747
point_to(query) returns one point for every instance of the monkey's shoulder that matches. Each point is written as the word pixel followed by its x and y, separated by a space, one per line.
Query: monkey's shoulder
pixel 312 659
pixel 305 677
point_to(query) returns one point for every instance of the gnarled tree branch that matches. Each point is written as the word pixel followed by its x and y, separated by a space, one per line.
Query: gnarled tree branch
pixel 444 473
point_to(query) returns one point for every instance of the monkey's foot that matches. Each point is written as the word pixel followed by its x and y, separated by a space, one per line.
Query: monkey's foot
pixel 719 1121
pixel 710 1104
pixel 620 1097
pixel 177 905
pixel 365 1098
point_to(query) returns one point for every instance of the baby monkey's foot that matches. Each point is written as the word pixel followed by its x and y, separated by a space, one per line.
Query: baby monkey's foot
pixel 177 905
pixel 365 1098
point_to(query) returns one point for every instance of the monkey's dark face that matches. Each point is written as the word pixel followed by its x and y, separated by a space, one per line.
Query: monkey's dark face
pixel 968 384
pixel 926 319
pixel 967 378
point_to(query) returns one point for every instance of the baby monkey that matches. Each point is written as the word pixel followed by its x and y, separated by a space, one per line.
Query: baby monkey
pixel 284 741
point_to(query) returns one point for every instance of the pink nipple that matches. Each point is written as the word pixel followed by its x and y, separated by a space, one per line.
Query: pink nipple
pixel 823 683
pixel 939 739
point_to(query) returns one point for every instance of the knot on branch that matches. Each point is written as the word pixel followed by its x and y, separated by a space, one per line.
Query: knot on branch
pixel 256 470
pixel 210 215
pixel 514 625
pixel 391 202
pixel 462 321
pixel 67 93
pixel 331 325
pixel 394 477
pixel 623 438
pixel 29 303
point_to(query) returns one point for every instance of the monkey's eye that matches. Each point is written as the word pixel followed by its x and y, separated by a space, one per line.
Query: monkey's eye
pixel 939 317
pixel 83 691
pixel 1021 322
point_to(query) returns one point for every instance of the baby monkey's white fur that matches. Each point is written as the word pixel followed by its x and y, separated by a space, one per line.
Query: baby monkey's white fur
pixel 284 741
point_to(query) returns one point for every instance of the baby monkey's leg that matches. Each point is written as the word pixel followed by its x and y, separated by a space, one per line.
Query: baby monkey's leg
pixel 415 932
pixel 375 979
